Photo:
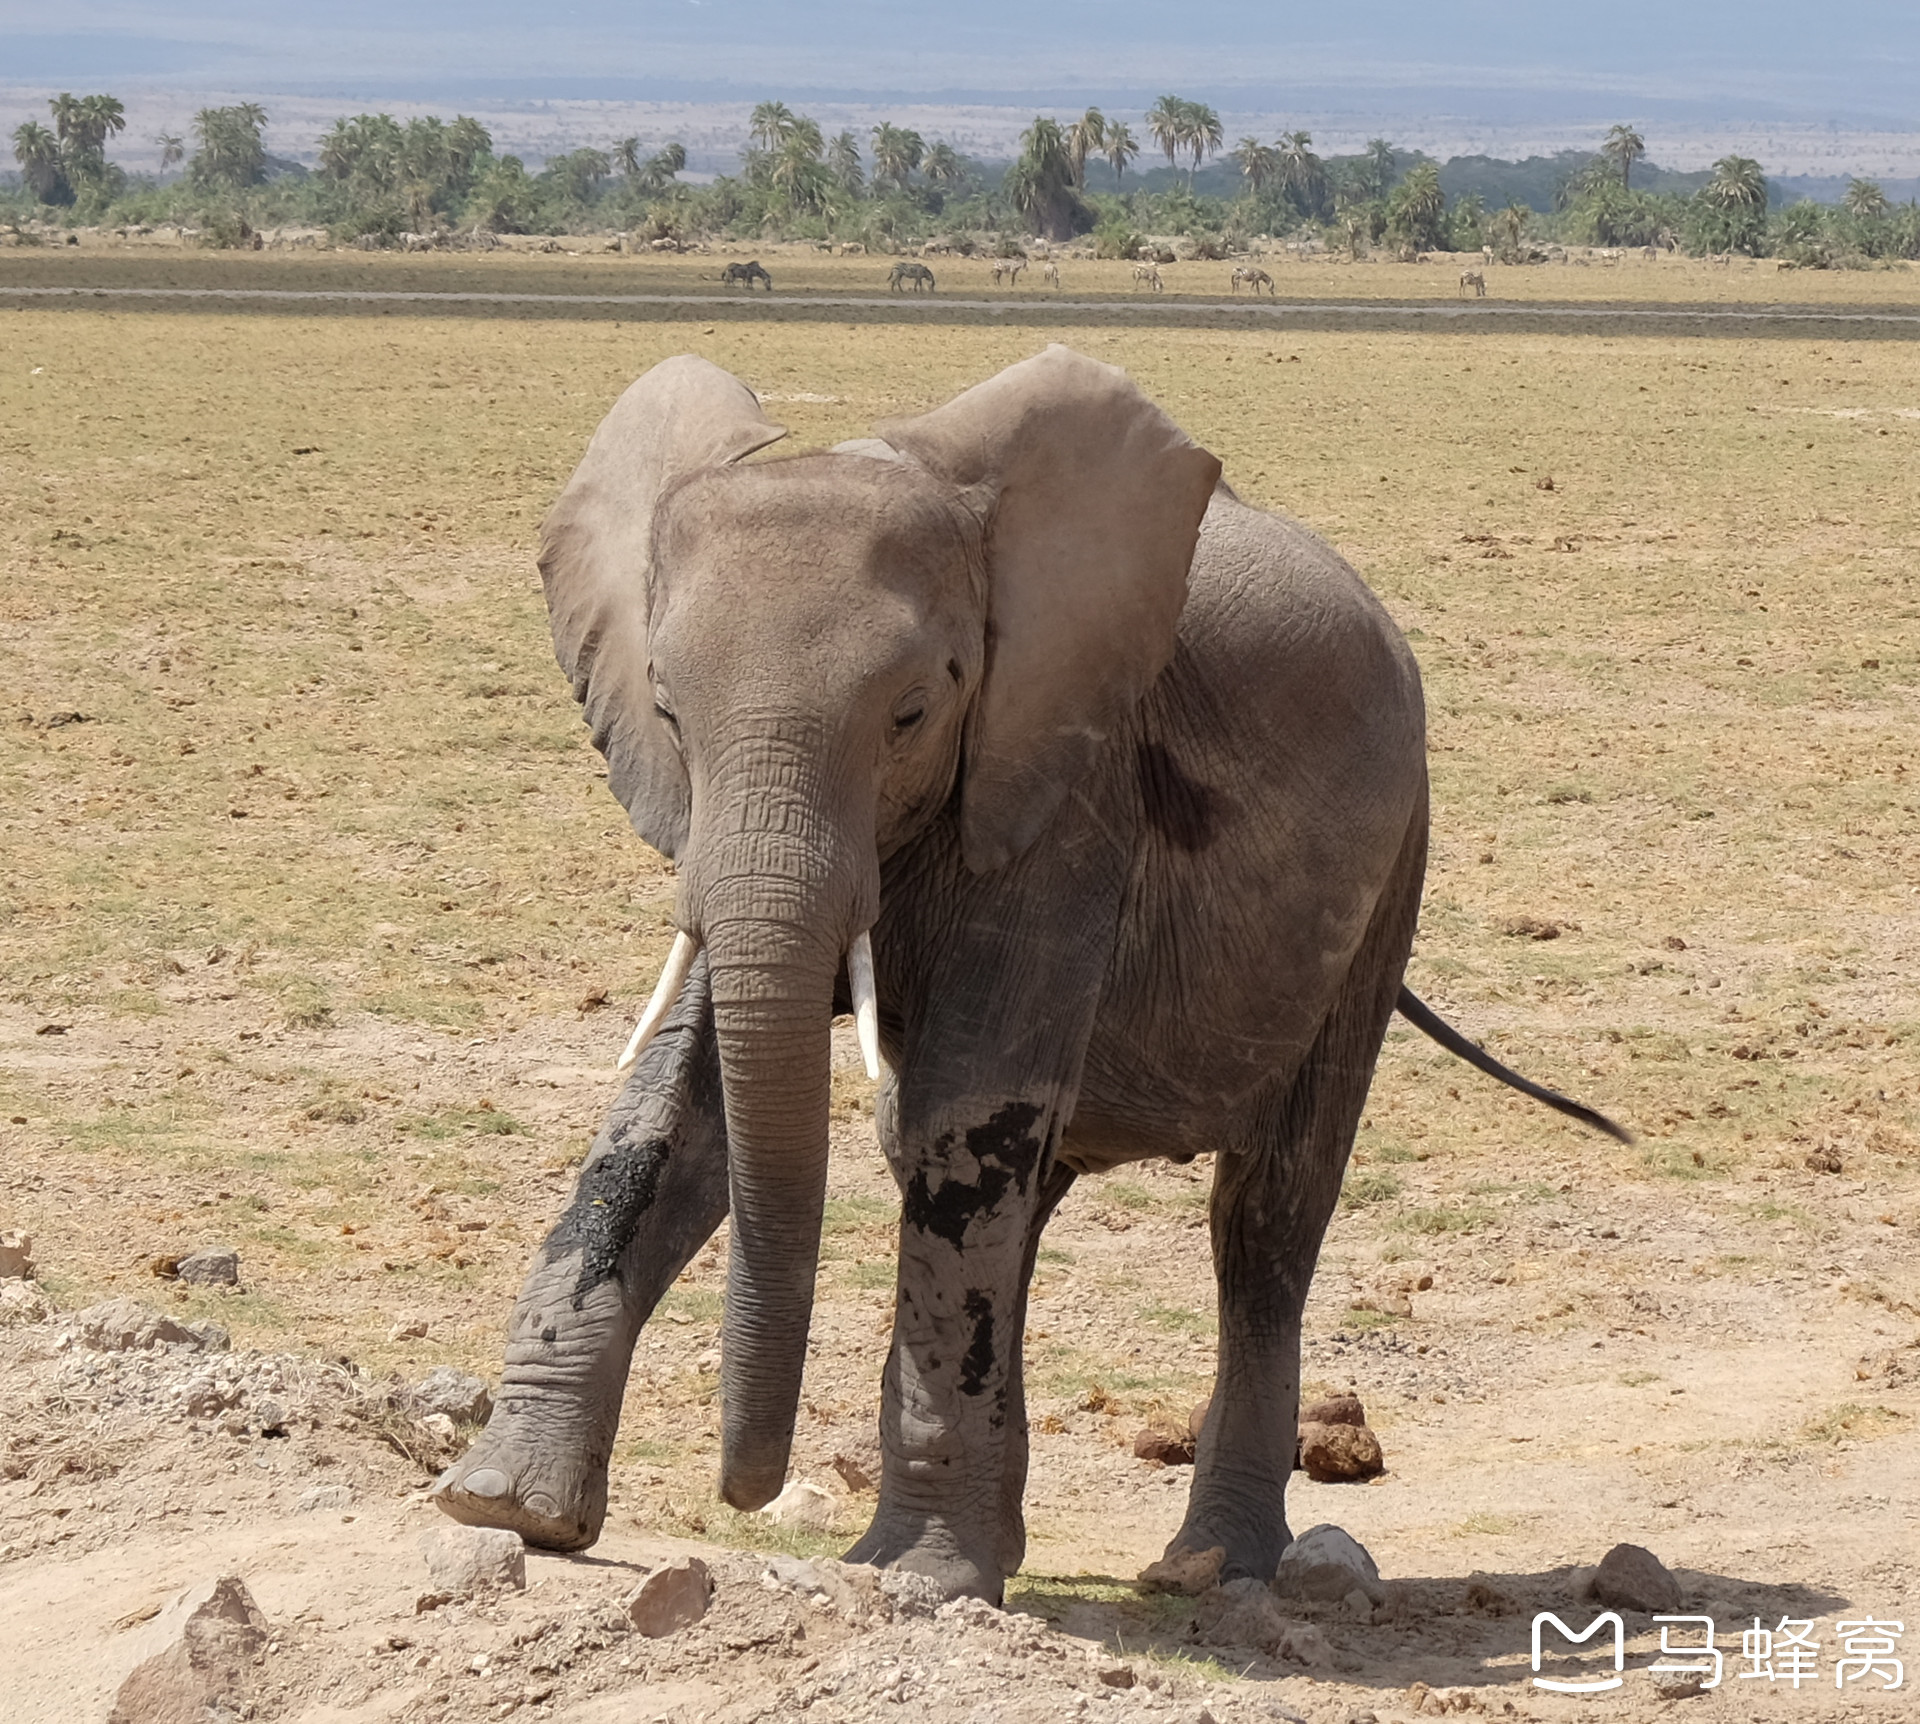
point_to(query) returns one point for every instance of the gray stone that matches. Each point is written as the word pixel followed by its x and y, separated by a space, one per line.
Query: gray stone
pixel 320 1499
pixel 462 1560
pixel 1631 1577
pixel 1334 1454
pixel 210 1639
pixel 23 1302
pixel 1327 1563
pixel 127 1326
pixel 670 1598
pixel 217 1266
pixel 1679 1684
pixel 269 1413
pixel 460 1395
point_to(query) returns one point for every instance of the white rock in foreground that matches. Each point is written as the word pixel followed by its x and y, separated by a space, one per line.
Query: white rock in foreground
pixel 801 1505
pixel 463 1560
pixel 1327 1563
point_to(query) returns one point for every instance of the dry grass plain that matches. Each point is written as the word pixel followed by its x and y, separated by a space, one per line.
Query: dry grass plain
pixel 319 931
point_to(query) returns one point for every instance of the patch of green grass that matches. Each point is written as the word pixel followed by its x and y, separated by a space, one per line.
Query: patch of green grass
pixel 857 1214
pixel 1365 1320
pixel 1054 1254
pixel 1127 1194
pixel 1177 1318
pixel 458 1122
pixel 750 1530
pixel 1441 1220
pixel 1367 1185
pixel 701 1304
pixel 1851 1421
pixel 874 1272
pixel 1487 1524
pixel 1638 1379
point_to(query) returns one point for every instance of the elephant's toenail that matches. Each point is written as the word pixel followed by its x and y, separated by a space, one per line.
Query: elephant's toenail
pixel 486 1482
pixel 538 1502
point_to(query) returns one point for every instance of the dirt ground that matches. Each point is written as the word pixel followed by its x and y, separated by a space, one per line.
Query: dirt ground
pixel 319 934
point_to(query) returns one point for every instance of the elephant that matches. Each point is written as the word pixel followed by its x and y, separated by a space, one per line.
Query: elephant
pixel 1098 797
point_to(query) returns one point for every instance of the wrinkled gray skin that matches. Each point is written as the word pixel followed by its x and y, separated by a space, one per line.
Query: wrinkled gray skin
pixel 1141 859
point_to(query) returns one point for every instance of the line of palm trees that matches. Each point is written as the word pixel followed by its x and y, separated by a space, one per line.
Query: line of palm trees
pixel 789 155
pixel 58 161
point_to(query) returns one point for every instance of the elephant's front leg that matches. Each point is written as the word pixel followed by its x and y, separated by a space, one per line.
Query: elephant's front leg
pixel 953 1414
pixel 651 1193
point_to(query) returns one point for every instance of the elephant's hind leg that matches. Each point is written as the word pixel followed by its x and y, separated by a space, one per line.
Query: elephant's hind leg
pixel 652 1191
pixel 1273 1196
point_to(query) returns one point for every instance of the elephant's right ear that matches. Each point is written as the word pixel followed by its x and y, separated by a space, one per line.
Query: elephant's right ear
pixel 596 563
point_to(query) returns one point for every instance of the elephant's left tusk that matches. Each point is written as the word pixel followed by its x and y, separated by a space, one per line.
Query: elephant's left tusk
pixel 866 1008
pixel 673 977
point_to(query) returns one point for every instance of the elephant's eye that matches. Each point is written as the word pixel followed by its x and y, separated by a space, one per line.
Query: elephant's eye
pixel 665 711
pixel 908 714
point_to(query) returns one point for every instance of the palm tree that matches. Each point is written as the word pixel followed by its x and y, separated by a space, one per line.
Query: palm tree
pixel 1204 136
pixel 231 152
pixel 1737 184
pixel 1624 146
pixel 1380 163
pixel 801 178
pixel 896 153
pixel 942 165
pixel 100 118
pixel 37 150
pixel 1119 148
pixel 1419 206
pixel 173 149
pixel 1303 173
pixel 843 162
pixel 1040 183
pixel 770 125
pixel 1084 138
pixel 467 142
pixel 1259 163
pixel 668 160
pixel 1167 126
pixel 66 109
pixel 1865 201
pixel 339 150
pixel 626 157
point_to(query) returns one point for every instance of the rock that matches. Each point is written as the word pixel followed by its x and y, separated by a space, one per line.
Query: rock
pixel 1358 1605
pixel 858 1464
pixel 217 1266
pixel 23 1302
pixel 412 1329
pixel 1437 1702
pixel 319 1499
pixel 463 1560
pixel 127 1326
pixel 1188 1572
pixel 1486 1598
pixel 1631 1577
pixel 441 1428
pixel 1326 1563
pixel 1198 1418
pixel 670 1598
pixel 1117 1676
pixel 1332 1454
pixel 1243 1613
pixel 269 1413
pixel 1169 1449
pixel 1679 1684
pixel 16 1257
pixel 211 1636
pixel 801 1505
pixel 460 1395
pixel 1388 1302
pixel 1337 1410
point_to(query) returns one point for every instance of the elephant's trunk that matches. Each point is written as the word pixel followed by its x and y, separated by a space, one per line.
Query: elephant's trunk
pixel 776 914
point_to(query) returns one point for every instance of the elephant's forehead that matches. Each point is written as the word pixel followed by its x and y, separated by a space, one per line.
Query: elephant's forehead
pixel 809 527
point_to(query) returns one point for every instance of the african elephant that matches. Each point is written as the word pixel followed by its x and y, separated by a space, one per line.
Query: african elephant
pixel 1098 796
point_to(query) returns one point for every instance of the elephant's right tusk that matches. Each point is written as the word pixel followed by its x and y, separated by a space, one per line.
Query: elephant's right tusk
pixel 866 1007
pixel 673 977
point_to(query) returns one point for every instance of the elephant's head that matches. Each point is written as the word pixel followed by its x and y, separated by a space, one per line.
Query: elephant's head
pixel 793 666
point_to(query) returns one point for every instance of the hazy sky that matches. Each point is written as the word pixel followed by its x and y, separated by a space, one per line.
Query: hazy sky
pixel 1848 60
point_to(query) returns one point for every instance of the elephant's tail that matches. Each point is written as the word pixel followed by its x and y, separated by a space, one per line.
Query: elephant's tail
pixel 1423 1018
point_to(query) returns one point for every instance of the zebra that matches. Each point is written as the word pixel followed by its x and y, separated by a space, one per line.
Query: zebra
pixel 906 274
pixel 745 275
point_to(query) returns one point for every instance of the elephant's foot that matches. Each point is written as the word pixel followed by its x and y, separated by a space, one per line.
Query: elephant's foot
pixel 921 1544
pixel 550 1498
pixel 1219 1549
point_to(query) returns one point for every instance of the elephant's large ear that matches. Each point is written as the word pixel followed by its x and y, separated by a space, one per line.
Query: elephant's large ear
pixel 595 560
pixel 1098 501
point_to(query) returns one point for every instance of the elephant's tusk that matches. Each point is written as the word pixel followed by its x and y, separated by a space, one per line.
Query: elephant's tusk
pixel 866 1008
pixel 673 977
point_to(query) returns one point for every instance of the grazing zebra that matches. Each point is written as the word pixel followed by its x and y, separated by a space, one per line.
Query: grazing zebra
pixel 907 274
pixel 1147 275
pixel 1010 267
pixel 1472 278
pixel 745 275
pixel 1248 276
pixel 1051 272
